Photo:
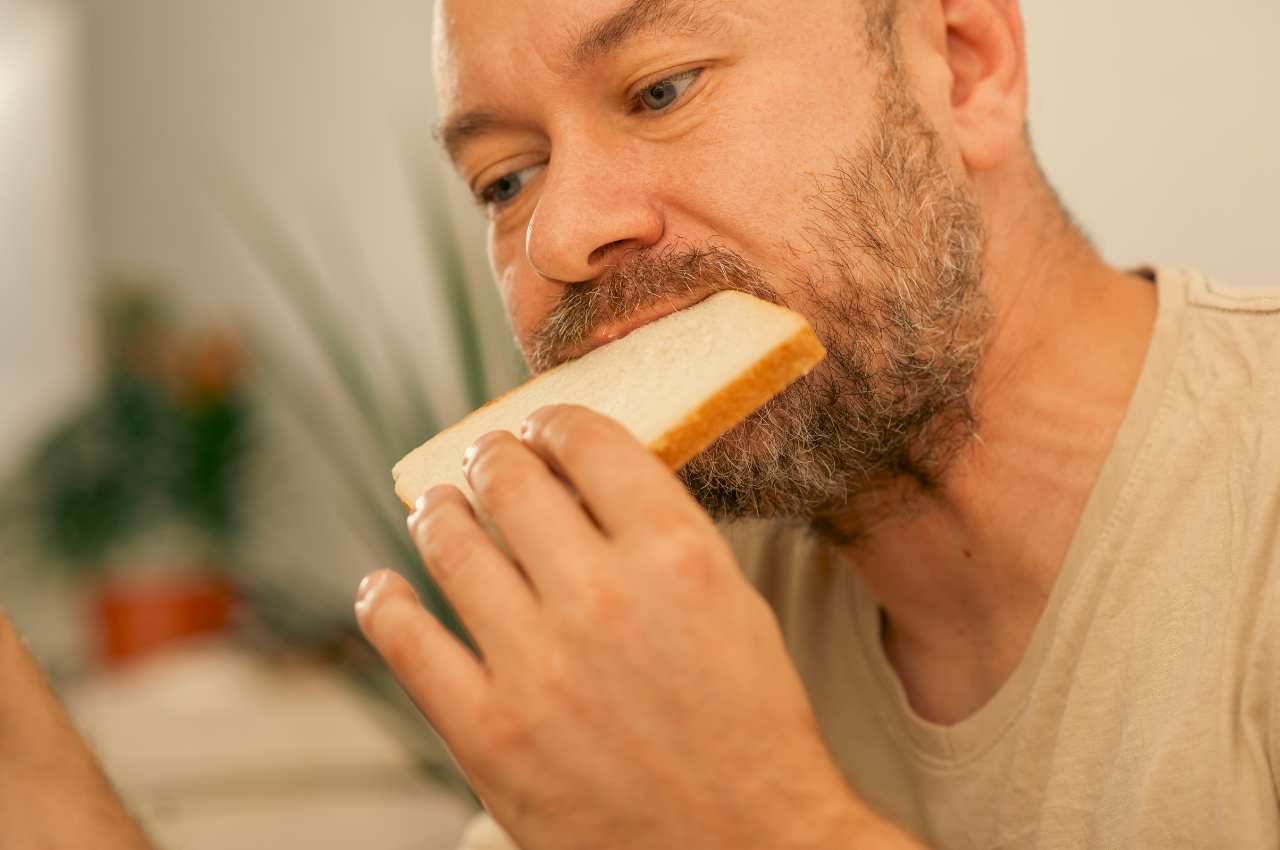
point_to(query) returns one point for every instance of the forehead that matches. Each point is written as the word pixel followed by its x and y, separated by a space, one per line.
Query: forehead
pixel 483 44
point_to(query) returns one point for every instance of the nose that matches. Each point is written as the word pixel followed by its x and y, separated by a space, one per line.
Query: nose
pixel 591 211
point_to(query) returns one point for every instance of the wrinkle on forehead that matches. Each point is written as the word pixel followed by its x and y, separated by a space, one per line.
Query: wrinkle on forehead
pixel 483 46
pixel 637 17
pixel 577 39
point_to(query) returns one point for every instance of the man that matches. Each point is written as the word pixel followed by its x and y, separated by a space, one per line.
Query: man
pixel 1018 535
pixel 1021 530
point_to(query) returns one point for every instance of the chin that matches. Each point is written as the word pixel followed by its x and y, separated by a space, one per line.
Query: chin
pixel 771 465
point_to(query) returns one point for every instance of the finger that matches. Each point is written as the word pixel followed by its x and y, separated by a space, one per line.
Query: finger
pixel 541 520
pixel 488 591
pixel 625 486
pixel 441 675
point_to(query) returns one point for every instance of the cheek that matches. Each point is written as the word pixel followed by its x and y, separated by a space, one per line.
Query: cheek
pixel 752 173
pixel 504 263
pixel 526 297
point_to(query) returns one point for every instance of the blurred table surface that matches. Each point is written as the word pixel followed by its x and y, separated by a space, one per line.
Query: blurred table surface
pixel 213 747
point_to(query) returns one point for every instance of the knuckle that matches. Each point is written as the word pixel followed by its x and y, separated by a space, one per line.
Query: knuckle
pixel 597 604
pixel 573 455
pixel 556 673
pixel 582 445
pixel 401 647
pixel 505 732
pixel 505 484
pixel 567 426
pixel 488 441
pixel 445 551
pixel 691 556
pixel 556 418
pixel 662 525
pixel 447 561
pixel 603 605
pixel 428 504
pixel 428 528
pixel 485 454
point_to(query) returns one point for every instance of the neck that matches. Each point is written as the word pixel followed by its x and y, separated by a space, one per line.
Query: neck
pixel 964 573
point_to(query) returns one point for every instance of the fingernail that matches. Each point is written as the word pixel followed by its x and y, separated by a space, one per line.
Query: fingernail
pixel 469 457
pixel 369 586
pixel 525 427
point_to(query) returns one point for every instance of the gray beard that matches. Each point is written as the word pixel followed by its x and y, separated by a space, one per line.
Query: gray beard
pixel 889 274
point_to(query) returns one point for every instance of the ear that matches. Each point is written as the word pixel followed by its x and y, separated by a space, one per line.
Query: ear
pixel 986 52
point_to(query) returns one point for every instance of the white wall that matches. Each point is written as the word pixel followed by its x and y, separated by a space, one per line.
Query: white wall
pixel 1160 124
pixel 44 273
pixel 43 270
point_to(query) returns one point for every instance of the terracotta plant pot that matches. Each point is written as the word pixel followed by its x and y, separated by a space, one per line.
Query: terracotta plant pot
pixel 136 616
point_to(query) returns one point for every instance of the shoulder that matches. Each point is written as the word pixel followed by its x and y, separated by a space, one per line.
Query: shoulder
pixel 1204 293
pixel 1241 323
pixel 1227 381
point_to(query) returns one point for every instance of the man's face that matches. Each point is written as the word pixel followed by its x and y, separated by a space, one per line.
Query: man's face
pixel 635 155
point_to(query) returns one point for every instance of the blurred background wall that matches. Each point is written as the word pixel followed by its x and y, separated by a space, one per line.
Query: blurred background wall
pixel 1159 124
pixel 44 251
pixel 45 257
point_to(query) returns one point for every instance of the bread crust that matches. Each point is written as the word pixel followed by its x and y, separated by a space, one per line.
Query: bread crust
pixel 774 372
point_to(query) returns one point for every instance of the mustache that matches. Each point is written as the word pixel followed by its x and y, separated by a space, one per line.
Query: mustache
pixel 646 278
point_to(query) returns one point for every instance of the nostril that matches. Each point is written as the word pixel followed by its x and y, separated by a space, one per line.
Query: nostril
pixel 598 255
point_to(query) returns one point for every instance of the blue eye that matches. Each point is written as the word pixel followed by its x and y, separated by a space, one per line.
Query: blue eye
pixel 660 95
pixel 504 190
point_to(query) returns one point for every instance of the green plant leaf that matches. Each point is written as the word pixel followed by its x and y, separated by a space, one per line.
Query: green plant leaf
pixel 293 276
pixel 440 238
pixel 377 508
pixel 422 419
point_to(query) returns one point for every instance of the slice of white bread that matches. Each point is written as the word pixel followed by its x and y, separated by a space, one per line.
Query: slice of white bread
pixel 677 384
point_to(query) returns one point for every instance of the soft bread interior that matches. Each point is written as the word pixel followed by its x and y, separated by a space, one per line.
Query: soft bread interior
pixel 676 384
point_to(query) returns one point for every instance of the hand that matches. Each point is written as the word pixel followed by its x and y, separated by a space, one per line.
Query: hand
pixel 633 691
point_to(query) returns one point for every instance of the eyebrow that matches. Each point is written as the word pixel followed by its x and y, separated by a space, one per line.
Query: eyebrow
pixel 593 44
pixel 453 133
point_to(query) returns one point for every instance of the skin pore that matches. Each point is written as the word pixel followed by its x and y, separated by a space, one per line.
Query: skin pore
pixel 604 136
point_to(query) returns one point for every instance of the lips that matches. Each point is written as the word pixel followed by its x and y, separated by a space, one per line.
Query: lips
pixel 611 333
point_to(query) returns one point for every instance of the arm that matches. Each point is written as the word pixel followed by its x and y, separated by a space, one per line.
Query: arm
pixel 52 792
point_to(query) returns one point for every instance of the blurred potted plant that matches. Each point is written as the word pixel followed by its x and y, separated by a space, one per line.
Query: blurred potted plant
pixel 137 493
pixel 388 422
